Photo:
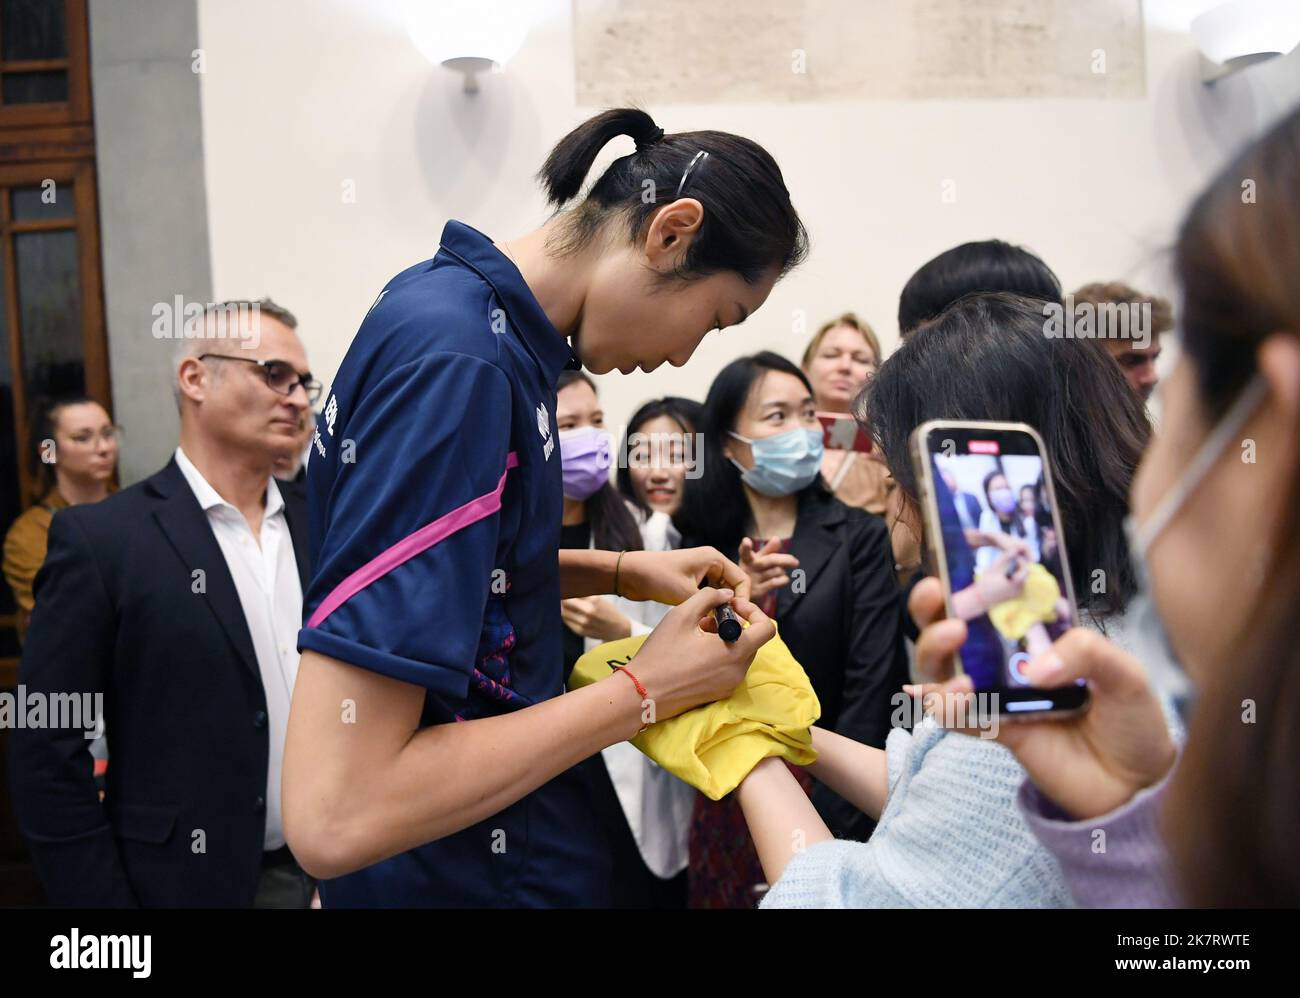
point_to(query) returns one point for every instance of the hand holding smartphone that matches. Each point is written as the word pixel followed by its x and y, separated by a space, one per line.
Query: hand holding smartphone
pixel 988 502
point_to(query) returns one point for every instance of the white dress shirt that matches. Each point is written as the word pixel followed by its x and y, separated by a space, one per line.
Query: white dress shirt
pixel 266 577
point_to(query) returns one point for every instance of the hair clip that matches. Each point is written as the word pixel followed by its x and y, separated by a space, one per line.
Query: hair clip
pixel 701 155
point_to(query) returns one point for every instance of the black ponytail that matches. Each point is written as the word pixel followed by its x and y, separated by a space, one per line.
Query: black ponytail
pixel 749 227
pixel 570 161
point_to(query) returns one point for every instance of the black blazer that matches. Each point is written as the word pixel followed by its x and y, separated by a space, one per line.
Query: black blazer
pixel 842 621
pixel 183 816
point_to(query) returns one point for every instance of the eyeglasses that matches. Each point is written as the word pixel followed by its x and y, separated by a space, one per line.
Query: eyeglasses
pixel 280 375
pixel 109 434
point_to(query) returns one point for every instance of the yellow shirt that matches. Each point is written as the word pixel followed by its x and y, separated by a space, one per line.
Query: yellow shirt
pixel 1036 604
pixel 25 552
pixel 714 746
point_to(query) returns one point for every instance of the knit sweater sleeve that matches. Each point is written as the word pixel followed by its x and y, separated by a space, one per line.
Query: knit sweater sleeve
pixel 1114 861
pixel 949 836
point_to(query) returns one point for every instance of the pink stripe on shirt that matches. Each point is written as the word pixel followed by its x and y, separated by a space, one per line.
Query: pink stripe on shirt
pixel 412 544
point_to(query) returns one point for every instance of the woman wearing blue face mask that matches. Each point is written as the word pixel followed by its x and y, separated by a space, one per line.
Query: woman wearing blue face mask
pixel 1215 535
pixel 949 833
pixel 824 570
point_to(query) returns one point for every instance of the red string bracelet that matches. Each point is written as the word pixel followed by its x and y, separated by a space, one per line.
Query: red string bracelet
pixel 639 688
pixel 635 682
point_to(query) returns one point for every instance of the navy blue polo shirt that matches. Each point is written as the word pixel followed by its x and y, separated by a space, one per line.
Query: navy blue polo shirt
pixel 436 499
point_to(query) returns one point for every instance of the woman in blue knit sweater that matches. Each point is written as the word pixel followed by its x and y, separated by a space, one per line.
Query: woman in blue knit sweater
pixel 1216 512
pixel 949 831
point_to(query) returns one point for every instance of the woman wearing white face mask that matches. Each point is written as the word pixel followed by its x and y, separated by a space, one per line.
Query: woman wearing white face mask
pixel 823 570
pixel 1217 826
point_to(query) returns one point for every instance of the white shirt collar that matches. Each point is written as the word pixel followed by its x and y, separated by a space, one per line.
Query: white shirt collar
pixel 209 497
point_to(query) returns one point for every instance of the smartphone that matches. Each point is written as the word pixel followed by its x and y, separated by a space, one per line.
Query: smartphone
pixel 841 431
pixel 995 537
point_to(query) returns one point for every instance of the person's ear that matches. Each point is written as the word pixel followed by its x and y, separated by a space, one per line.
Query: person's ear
pixel 670 233
pixel 1278 360
pixel 732 448
pixel 191 377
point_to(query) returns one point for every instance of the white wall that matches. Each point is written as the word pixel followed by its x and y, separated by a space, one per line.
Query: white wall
pixel 301 96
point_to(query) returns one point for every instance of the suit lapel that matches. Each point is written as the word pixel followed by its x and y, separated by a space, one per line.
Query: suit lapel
pixel 295 514
pixel 187 529
pixel 813 543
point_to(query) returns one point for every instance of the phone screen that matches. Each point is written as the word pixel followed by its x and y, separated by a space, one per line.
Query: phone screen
pixel 1000 538
pixel 842 432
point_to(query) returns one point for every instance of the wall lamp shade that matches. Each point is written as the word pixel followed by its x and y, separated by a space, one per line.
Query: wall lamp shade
pixel 468 36
pixel 1240 33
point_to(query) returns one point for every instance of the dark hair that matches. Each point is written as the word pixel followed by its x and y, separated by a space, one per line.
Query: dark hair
pixel 612 525
pixel 991 265
pixel 1234 805
pixel 714 509
pixel 686 413
pixel 986 358
pixel 42 426
pixel 749 224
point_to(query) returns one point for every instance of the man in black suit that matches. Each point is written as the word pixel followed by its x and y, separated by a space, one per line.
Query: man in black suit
pixel 968 507
pixel 178 600
pixel 291 468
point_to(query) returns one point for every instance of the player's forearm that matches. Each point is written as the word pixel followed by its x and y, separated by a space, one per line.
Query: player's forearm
pixel 354 797
pixel 856 772
pixel 968 603
pixel 487 764
pixel 586 572
pixel 782 820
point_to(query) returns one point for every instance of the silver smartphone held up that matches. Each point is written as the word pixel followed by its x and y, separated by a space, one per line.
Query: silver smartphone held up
pixel 996 540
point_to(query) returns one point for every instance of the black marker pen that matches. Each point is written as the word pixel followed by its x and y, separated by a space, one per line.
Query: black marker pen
pixel 728 623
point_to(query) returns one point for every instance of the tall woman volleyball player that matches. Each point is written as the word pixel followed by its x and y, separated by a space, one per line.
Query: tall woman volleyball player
pixel 429 747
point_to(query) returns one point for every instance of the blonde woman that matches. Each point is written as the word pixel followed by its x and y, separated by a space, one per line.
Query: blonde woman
pixel 840 359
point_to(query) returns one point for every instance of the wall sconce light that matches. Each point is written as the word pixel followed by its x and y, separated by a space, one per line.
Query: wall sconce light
pixel 1240 33
pixel 467 36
